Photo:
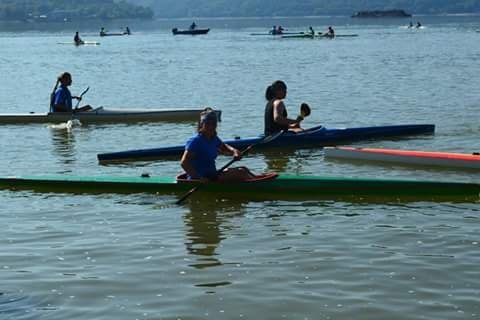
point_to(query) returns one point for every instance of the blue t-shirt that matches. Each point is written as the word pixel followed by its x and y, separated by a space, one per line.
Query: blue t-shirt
pixel 63 97
pixel 205 152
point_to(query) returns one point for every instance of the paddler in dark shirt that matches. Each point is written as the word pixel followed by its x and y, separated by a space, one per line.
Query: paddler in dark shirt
pixel 276 117
pixel 77 39
pixel 330 33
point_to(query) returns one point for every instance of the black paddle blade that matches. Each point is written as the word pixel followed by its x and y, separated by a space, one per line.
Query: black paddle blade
pixel 85 91
pixel 305 110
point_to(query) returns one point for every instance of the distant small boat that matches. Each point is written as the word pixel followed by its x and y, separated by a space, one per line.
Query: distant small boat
pixel 104 34
pixel 192 32
pixel 276 34
pixel 83 43
pixel 320 35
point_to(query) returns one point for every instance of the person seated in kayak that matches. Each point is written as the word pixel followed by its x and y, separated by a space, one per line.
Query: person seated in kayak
pixel 419 24
pixel 276 117
pixel 201 150
pixel 410 25
pixel 102 32
pixel 330 33
pixel 312 32
pixel 280 30
pixel 77 39
pixel 127 31
pixel 62 98
pixel 193 26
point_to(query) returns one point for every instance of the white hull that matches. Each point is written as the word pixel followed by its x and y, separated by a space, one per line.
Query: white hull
pixel 436 159
pixel 103 115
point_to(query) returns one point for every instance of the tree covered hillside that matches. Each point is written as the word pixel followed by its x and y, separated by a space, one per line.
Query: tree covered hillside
pixel 60 10
pixel 248 8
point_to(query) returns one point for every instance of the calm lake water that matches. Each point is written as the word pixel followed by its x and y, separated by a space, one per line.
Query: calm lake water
pixel 65 256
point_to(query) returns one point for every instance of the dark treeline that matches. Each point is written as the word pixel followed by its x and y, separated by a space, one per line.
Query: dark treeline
pixel 60 10
pixel 249 8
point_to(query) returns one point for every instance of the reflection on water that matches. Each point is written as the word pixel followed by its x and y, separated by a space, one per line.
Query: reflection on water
pixel 63 142
pixel 207 221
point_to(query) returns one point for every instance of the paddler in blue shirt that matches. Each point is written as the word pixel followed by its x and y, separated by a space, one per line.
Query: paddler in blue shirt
pixel 193 26
pixel 198 159
pixel 62 98
pixel 276 117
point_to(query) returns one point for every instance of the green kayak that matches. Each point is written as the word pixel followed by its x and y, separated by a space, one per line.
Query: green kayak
pixel 269 186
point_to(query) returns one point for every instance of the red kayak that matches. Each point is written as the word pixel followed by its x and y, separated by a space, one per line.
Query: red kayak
pixel 425 158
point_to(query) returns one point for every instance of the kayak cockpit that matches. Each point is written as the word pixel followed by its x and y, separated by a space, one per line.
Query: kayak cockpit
pixel 182 178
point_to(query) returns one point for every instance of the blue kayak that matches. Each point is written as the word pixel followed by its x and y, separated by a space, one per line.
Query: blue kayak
pixel 310 138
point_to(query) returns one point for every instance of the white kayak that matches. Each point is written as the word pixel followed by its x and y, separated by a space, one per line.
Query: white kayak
pixel 425 158
pixel 83 43
pixel 105 115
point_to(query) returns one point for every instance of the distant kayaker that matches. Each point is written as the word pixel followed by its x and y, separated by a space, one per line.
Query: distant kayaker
pixel 274 30
pixel 419 25
pixel 410 25
pixel 127 31
pixel 102 32
pixel 193 26
pixel 62 98
pixel 201 150
pixel 280 30
pixel 312 32
pixel 276 117
pixel 330 33
pixel 77 39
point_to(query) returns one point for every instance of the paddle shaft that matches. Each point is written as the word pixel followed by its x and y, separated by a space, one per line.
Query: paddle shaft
pixel 81 95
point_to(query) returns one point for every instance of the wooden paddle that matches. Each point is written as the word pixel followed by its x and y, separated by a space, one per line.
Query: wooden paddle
pixel 264 140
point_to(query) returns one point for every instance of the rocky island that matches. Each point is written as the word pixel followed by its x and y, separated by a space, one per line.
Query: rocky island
pixel 382 14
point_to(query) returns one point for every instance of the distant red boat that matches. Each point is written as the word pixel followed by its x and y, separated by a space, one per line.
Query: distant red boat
pixel 175 31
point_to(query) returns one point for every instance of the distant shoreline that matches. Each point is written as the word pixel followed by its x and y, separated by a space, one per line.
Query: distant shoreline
pixel 467 14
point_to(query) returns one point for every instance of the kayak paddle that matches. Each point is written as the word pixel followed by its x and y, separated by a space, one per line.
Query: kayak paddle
pixel 264 140
pixel 81 95
pixel 304 111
